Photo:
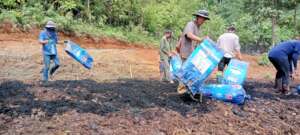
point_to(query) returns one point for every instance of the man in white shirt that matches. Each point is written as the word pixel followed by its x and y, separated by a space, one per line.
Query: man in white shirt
pixel 229 43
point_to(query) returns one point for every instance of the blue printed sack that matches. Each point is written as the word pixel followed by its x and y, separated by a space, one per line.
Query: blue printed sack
pixel 175 65
pixel 223 92
pixel 199 65
pixel 79 54
pixel 236 72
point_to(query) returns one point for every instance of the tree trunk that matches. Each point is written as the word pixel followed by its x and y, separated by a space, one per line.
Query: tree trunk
pixel 273 30
pixel 89 11
pixel 274 25
pixel 295 18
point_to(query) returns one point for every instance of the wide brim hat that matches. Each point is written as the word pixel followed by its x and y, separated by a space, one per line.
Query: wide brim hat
pixel 202 13
pixel 168 31
pixel 50 24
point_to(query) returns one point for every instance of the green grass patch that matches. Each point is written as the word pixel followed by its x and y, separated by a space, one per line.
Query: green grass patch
pixel 264 60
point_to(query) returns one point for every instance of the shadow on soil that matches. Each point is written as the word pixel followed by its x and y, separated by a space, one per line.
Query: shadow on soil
pixel 88 96
pixel 264 90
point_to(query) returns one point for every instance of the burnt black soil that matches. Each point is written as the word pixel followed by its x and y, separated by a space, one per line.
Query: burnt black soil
pixel 265 113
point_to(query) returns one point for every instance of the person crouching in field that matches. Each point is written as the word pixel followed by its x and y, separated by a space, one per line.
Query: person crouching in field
pixel 167 48
pixel 48 39
pixel 284 57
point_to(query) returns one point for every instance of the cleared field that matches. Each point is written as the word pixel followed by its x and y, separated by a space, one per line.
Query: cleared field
pixel 122 95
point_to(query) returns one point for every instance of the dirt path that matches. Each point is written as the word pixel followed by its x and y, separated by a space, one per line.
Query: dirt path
pixel 108 100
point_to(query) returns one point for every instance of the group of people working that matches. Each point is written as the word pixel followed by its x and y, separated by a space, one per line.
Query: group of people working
pixel 283 56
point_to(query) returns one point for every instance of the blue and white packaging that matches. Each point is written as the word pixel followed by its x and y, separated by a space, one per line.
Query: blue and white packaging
pixel 199 65
pixel 224 92
pixel 236 72
pixel 298 89
pixel 175 65
pixel 79 54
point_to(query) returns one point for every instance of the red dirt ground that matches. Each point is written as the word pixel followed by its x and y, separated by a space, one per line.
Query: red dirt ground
pixel 122 95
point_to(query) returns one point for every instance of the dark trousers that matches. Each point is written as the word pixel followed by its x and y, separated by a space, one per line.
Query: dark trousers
pixel 223 63
pixel 282 66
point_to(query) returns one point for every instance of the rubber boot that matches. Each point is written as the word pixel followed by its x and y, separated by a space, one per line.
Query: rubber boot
pixel 278 85
pixel 286 89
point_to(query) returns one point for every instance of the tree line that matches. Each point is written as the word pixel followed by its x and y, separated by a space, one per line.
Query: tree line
pixel 260 23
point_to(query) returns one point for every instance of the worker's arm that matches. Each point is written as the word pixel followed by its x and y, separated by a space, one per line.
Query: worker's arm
pixel 239 55
pixel 295 61
pixel 238 48
pixel 219 43
pixel 163 47
pixel 191 36
pixel 178 45
pixel 43 38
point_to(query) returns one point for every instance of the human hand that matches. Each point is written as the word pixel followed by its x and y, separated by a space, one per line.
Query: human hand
pixel 240 57
pixel 43 42
pixel 174 52
pixel 170 54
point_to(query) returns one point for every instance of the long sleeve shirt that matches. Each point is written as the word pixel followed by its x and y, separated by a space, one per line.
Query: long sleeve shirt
pixel 289 50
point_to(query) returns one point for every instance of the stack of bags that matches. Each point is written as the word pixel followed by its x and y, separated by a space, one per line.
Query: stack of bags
pixel 201 64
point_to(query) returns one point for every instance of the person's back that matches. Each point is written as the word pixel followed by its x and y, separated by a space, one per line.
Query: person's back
pixel 229 43
pixel 285 49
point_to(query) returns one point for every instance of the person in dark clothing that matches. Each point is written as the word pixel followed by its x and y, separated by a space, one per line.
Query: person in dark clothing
pixel 284 57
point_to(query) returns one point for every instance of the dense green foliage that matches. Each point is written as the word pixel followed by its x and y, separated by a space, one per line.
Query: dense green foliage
pixel 145 20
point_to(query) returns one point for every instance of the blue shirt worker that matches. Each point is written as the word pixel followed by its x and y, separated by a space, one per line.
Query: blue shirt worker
pixel 284 57
pixel 48 39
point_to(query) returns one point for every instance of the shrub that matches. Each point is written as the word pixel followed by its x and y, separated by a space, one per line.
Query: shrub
pixel 264 60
